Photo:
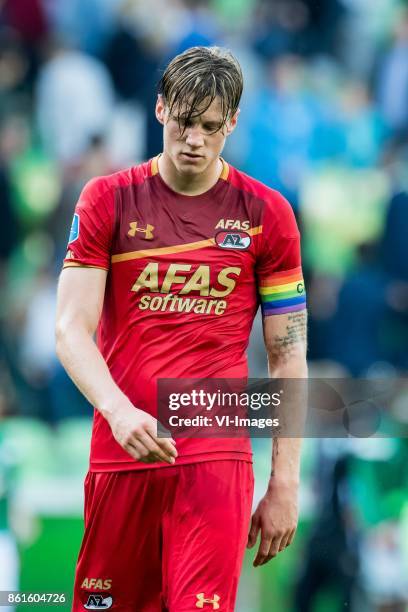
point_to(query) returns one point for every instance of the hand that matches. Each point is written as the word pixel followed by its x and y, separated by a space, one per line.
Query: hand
pixel 276 517
pixel 136 432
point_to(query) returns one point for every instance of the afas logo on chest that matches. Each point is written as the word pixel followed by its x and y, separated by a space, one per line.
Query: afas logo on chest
pixel 178 274
pixel 233 224
pixel 188 280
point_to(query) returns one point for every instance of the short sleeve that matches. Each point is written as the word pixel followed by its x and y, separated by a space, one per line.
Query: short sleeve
pixel 279 269
pixel 90 238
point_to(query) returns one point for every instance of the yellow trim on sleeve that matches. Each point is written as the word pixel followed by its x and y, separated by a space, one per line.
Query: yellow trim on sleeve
pixel 74 264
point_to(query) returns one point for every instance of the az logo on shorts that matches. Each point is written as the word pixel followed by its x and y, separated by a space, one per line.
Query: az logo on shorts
pixel 98 602
pixel 233 240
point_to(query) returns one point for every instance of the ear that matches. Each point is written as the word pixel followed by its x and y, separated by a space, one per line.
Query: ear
pixel 232 123
pixel 160 109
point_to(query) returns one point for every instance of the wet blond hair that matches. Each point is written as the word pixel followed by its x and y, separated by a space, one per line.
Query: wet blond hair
pixel 194 78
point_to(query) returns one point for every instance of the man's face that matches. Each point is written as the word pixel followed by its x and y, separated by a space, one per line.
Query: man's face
pixel 195 144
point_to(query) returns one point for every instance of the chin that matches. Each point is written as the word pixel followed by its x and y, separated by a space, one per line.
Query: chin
pixel 190 168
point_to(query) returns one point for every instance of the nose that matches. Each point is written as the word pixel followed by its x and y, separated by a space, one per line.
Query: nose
pixel 194 137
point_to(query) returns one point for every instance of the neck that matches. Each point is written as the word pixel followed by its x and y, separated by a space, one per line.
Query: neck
pixel 190 184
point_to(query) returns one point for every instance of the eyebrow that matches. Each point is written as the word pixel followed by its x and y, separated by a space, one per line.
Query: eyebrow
pixel 209 122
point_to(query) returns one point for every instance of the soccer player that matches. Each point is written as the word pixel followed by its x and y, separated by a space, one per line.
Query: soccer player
pixel 168 261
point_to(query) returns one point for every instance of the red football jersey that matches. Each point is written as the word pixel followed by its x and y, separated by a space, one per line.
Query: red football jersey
pixel 185 277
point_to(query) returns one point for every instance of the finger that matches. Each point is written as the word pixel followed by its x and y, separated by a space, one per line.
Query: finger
pixel 275 546
pixel 263 550
pixel 145 456
pixel 155 449
pixel 136 450
pixel 291 536
pixel 253 532
pixel 149 459
pixel 147 448
pixel 166 444
pixel 274 549
pixel 284 541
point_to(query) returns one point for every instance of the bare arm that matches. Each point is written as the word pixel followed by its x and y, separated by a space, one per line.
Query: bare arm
pixel 80 297
pixel 277 514
pixel 285 341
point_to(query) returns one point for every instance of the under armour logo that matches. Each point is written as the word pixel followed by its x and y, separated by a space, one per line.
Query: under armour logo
pixel 201 600
pixel 147 231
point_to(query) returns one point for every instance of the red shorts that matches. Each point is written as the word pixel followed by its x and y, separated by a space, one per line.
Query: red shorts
pixel 170 539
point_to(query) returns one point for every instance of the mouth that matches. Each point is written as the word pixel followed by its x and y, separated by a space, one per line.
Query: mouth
pixel 191 156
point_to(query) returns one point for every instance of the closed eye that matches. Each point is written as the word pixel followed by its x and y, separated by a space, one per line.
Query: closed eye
pixel 211 127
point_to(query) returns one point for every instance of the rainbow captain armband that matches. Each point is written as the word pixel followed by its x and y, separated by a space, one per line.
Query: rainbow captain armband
pixel 283 292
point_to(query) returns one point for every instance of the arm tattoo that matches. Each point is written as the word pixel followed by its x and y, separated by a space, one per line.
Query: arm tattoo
pixel 283 347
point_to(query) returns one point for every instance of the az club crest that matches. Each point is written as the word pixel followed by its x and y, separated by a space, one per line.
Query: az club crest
pixel 233 240
pixel 96 601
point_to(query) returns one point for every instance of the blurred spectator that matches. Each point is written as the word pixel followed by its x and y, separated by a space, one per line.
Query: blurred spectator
pixel 27 18
pixel 200 27
pixel 72 84
pixel 132 59
pixel 363 126
pixel 37 351
pixel 13 139
pixel 394 244
pixel 395 260
pixel 280 124
pixel 95 161
pixel 28 22
pixel 383 576
pixel 393 79
pixel 83 24
pixel 353 337
pixel 332 551
pixel 14 73
pixel 296 26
